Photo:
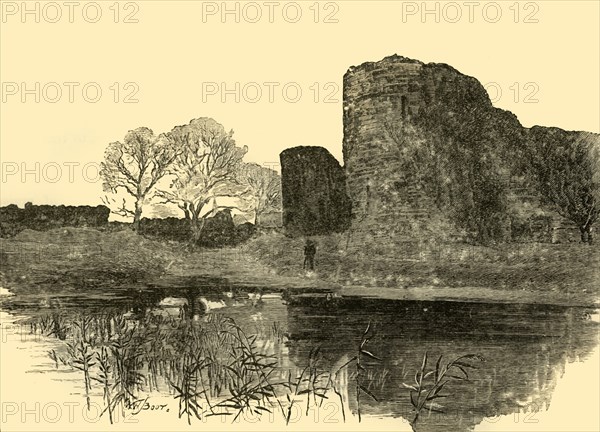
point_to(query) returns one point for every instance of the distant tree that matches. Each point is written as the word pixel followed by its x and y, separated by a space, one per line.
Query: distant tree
pixel 263 192
pixel 567 169
pixel 206 168
pixel 135 166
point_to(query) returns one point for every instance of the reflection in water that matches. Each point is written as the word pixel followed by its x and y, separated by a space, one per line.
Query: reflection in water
pixel 525 347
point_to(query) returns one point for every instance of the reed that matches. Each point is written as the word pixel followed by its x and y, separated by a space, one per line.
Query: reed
pixel 331 384
pixel 124 348
pixel 82 358
pixel 52 354
pixel 312 382
pixel 82 325
pixel 187 391
pixel 250 371
pixel 278 332
pixel 54 324
pixel 104 373
pixel 360 370
pixel 212 366
pixel 428 386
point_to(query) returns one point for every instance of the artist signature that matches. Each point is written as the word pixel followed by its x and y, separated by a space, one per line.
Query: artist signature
pixel 139 405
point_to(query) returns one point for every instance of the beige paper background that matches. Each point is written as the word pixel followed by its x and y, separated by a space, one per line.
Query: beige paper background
pixel 170 52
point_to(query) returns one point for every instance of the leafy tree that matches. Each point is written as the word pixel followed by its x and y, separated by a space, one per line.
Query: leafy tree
pixel 566 166
pixel 205 168
pixel 264 189
pixel 135 166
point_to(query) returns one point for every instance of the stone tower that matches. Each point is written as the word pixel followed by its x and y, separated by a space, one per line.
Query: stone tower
pixel 373 94
pixel 313 192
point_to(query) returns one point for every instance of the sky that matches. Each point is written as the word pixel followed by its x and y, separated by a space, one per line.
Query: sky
pixel 94 81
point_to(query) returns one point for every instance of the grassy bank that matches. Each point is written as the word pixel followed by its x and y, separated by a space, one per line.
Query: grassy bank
pixel 534 267
pixel 68 260
pixel 73 259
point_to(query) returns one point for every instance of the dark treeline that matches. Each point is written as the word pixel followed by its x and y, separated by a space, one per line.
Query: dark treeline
pixel 219 230
pixel 44 217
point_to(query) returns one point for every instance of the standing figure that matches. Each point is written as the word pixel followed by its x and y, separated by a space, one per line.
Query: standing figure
pixel 310 249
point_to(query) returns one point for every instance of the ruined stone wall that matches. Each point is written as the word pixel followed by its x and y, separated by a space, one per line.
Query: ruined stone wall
pixel 432 99
pixel 313 192
pixel 398 106
pixel 483 149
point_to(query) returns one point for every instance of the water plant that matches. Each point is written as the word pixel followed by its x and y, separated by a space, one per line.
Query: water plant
pixel 82 358
pixel 428 385
pixel 313 381
pixel 124 348
pixel 360 369
pixel 104 373
pixel 52 354
pixel 278 332
pixel 250 373
pixel 187 390
pixel 210 366
pixel 53 324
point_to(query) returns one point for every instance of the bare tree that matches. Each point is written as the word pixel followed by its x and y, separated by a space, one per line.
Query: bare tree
pixel 206 168
pixel 263 189
pixel 135 166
